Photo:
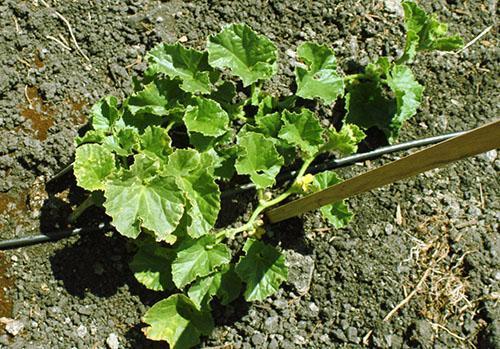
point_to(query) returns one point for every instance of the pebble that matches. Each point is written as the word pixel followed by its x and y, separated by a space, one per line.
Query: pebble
pixel 352 334
pixel 112 341
pixel 273 344
pixel 81 331
pixel 258 339
pixel 271 324
pixel 313 307
pixel 13 327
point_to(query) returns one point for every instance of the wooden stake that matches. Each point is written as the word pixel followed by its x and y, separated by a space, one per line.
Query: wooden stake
pixel 474 142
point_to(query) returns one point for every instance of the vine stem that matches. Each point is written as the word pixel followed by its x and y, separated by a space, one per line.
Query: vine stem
pixel 77 212
pixel 350 78
pixel 263 204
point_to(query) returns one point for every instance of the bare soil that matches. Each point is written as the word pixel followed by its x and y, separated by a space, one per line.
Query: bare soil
pixel 434 237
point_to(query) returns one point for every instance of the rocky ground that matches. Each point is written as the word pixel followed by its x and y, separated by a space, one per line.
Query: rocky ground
pixel 435 235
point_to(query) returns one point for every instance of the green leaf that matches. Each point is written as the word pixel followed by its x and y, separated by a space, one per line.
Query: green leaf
pixel 177 321
pixel 262 269
pixel 248 55
pixel 155 140
pixel 141 121
pixel 344 141
pixel 367 106
pixel 425 32
pixel 91 136
pixel 338 213
pixel 93 164
pixel 302 130
pixel 139 197
pixel 269 124
pixel 104 114
pixel 123 142
pixel 230 286
pixel 320 79
pixel 408 94
pixel 225 283
pixel 198 258
pixel 151 266
pixel 259 159
pixel 198 184
pixel 206 117
pixel 190 65
pixel 159 97
pixel 202 291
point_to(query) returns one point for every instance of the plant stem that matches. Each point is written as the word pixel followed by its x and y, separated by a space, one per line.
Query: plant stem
pixel 263 204
pixel 77 212
pixel 350 78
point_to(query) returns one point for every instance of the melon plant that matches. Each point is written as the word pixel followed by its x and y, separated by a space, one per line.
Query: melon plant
pixel 155 160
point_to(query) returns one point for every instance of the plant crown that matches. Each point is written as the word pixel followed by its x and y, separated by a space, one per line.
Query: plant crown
pixel 156 159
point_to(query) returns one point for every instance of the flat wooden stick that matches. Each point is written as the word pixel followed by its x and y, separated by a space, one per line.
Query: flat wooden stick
pixel 474 142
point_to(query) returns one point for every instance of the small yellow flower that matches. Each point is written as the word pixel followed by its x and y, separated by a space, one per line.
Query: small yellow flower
pixel 305 182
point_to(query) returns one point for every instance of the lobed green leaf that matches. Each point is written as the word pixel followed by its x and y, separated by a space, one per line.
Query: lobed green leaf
pixel 338 213
pixel 320 79
pixel 206 117
pixel 302 130
pixel 198 258
pixel 345 141
pixel 262 269
pixel 93 164
pixel 258 158
pixel 151 266
pixel 425 32
pixel 190 65
pixel 408 94
pixel 248 55
pixel 177 321
pixel 139 197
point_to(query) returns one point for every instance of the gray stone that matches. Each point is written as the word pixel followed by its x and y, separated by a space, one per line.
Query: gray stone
pixel 258 339
pixel 273 344
pixel 13 327
pixel 300 270
pixel 352 334
pixel 112 341
pixel 81 331
pixel 271 324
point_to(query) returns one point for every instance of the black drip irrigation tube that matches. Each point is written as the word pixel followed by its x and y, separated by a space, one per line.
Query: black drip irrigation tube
pixel 330 165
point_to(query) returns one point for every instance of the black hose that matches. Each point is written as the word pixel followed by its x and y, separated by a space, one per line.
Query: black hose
pixel 37 239
pixel 349 160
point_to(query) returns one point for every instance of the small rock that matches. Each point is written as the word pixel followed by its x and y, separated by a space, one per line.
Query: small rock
pixel 273 344
pixel 13 327
pixel 4 340
pixel 389 229
pixel 489 156
pixel 183 38
pixel 258 339
pixel 352 334
pixel 14 258
pixel 300 271
pixel 271 324
pixel 299 340
pixel 81 331
pixel 84 310
pixel 280 304
pixel 394 6
pixel 313 307
pixel 112 341
pixel 339 334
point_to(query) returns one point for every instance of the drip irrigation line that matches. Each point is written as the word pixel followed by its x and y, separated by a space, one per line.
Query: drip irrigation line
pixel 332 164
pixel 37 239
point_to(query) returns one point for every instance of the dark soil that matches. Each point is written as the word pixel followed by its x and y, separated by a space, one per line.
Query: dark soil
pixel 442 225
